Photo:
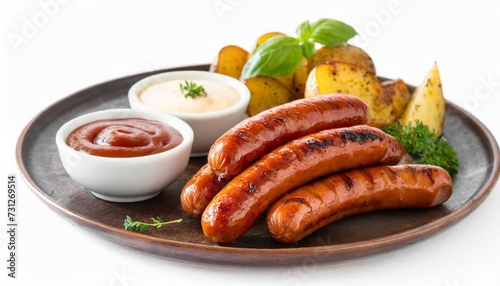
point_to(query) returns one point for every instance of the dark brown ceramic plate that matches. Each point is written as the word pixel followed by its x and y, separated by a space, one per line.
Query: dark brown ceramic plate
pixel 352 237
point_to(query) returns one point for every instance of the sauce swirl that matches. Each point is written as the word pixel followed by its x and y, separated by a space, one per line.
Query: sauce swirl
pixel 124 137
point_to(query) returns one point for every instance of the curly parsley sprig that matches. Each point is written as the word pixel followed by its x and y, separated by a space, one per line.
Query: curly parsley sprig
pixel 423 145
pixel 138 226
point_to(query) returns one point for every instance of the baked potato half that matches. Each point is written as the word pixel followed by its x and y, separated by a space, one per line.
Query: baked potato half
pixel 342 77
pixel 427 103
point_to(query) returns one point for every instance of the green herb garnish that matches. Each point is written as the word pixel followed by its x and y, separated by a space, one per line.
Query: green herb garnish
pixel 281 55
pixel 423 145
pixel 138 226
pixel 191 89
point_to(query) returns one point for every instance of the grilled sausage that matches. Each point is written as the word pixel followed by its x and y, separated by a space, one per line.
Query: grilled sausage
pixel 317 204
pixel 200 190
pixel 236 207
pixel 256 136
pixel 204 185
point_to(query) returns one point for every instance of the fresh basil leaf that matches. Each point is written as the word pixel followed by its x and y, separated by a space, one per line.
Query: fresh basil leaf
pixel 277 56
pixel 330 32
pixel 304 31
pixel 308 49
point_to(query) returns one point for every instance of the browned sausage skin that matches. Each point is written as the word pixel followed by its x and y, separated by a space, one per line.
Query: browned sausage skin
pixel 317 204
pixel 256 136
pixel 200 190
pixel 204 185
pixel 236 207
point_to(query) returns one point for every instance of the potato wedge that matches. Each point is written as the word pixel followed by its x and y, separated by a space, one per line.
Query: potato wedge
pixel 342 77
pixel 399 95
pixel 427 103
pixel 266 92
pixel 230 61
pixel 343 53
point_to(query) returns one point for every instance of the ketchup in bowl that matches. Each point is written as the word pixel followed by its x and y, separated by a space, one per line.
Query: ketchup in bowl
pixel 124 137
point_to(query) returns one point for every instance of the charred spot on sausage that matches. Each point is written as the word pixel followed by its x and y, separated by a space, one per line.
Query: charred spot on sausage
pixel 316 144
pixel 361 137
pixel 251 187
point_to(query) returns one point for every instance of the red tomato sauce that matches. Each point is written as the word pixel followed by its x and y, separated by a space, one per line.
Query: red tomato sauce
pixel 124 137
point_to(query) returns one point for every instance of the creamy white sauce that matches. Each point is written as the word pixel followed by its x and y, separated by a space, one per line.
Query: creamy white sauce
pixel 167 96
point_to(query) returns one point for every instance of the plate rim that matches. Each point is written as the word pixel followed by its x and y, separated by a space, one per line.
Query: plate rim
pixel 254 256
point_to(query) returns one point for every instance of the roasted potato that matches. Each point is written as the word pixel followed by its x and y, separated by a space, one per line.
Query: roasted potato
pixel 262 38
pixel 399 95
pixel 287 81
pixel 427 103
pixel 343 53
pixel 266 92
pixel 230 61
pixel 342 77
pixel 300 78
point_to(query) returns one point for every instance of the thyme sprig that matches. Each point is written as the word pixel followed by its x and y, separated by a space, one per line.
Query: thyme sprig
pixel 138 226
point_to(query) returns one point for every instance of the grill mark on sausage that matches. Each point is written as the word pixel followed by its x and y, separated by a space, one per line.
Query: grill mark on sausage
pixel 294 200
pixel 317 144
pixel 335 105
pixel 273 123
pixel 315 193
pixel 347 180
pixel 361 137
pixel 412 174
pixel 242 135
pixel 428 172
pixel 391 174
pixel 367 176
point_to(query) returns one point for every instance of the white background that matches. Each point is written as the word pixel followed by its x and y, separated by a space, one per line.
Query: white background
pixel 50 49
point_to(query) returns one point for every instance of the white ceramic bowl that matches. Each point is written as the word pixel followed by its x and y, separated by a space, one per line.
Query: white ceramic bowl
pixel 125 179
pixel 207 126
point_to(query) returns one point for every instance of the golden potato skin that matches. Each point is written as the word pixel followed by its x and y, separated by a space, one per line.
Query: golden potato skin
pixel 300 78
pixel 266 92
pixel 399 94
pixel 427 103
pixel 230 61
pixel 286 81
pixel 342 77
pixel 343 53
pixel 262 38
